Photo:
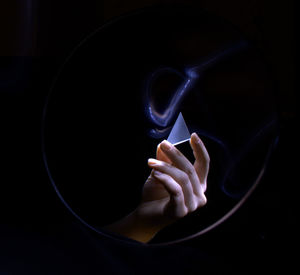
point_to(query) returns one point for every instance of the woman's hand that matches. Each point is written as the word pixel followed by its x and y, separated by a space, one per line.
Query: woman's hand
pixel 174 188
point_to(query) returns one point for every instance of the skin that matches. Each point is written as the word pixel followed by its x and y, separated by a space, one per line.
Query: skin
pixel 174 188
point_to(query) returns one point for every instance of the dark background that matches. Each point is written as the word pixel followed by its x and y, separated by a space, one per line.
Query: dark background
pixel 39 236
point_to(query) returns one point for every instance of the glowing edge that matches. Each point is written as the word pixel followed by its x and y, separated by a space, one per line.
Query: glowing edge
pixel 182 141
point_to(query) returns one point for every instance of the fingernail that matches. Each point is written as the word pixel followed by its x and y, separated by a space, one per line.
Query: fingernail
pixel 166 145
pixel 195 138
pixel 152 161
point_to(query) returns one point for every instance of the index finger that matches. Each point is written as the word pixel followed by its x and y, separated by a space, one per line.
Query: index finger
pixel 160 155
pixel 175 156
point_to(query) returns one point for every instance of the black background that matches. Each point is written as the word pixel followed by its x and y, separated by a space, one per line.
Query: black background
pixel 39 236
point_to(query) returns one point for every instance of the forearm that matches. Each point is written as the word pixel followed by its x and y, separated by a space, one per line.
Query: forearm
pixel 133 227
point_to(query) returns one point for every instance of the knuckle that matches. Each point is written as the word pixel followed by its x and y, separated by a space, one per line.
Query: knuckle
pixel 203 200
pixel 185 211
pixel 177 192
pixel 190 170
pixel 184 179
pixel 181 212
pixel 193 206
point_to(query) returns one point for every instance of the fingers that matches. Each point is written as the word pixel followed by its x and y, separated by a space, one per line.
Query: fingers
pixel 176 207
pixel 185 183
pixel 161 156
pixel 183 164
pixel 202 159
pixel 182 181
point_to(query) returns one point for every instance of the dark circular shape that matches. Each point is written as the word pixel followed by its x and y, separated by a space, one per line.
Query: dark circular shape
pixel 96 125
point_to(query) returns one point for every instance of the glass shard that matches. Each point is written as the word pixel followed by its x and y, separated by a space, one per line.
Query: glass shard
pixel 179 132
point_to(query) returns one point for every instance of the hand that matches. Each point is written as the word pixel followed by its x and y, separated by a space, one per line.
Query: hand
pixel 174 188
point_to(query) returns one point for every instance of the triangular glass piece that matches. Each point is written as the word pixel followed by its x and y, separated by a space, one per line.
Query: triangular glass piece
pixel 179 132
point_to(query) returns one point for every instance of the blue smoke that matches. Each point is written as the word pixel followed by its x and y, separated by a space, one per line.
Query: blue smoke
pixel 162 120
